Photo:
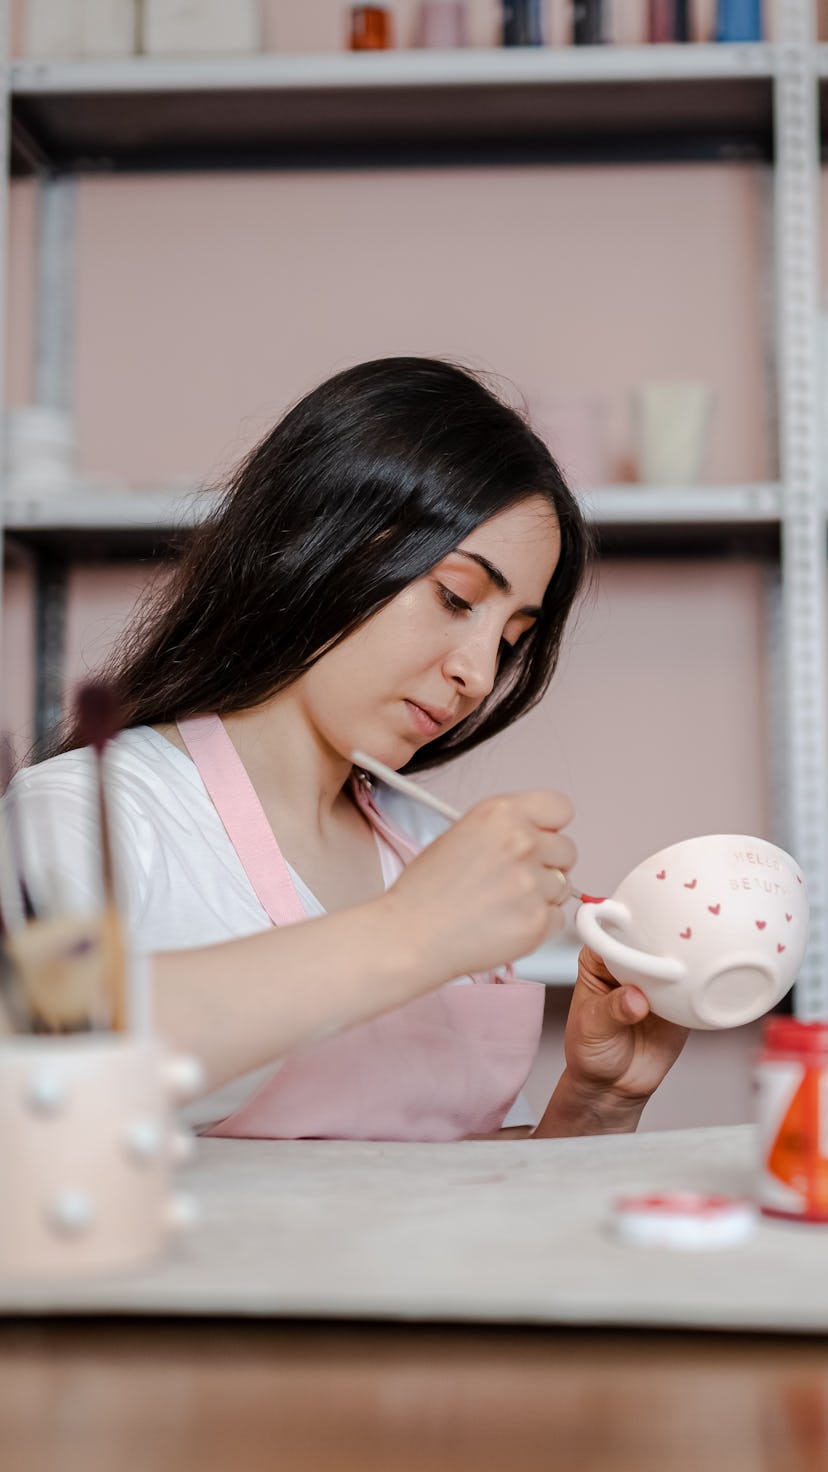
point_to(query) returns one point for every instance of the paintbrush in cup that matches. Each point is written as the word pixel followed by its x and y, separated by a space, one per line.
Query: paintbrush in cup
pixel 15 1003
pixel 428 800
pixel 15 841
pixel 60 969
pixel 50 966
pixel 98 721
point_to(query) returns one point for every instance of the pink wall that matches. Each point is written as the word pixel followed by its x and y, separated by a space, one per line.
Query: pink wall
pixel 240 292
pixel 656 722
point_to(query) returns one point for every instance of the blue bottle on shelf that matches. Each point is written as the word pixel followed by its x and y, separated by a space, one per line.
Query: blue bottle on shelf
pixel 739 20
pixel 522 23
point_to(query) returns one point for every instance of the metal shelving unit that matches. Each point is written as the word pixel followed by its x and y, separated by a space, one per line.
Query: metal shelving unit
pixel 144 112
pixel 803 622
pixel 86 522
pixel 647 103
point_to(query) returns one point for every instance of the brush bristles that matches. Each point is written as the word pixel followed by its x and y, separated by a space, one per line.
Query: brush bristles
pixel 98 715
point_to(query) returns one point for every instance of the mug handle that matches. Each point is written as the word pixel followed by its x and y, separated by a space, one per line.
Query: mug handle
pixel 592 933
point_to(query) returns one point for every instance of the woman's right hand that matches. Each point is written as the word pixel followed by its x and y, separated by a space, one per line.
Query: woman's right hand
pixel 487 890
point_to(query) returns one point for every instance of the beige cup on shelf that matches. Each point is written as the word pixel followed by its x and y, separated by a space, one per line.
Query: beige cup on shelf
pixel 88 1143
pixel 671 428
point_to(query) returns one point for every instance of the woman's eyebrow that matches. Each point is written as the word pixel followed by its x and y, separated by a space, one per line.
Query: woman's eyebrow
pixel 500 580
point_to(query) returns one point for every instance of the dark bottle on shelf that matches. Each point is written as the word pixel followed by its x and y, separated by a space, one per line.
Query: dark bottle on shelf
pixel 589 22
pixel 669 20
pixel 522 23
pixel 370 28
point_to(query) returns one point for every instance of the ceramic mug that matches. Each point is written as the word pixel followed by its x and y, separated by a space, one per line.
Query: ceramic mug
pixel 672 429
pixel 713 930
pixel 88 1141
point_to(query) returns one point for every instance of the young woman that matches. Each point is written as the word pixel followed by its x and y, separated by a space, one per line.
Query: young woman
pixel 390 571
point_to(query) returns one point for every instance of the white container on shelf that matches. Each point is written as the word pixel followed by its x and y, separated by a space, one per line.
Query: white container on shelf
pixel 199 27
pixel 110 27
pixel 51 31
pixel 55 29
pixel 671 422
pixel 38 452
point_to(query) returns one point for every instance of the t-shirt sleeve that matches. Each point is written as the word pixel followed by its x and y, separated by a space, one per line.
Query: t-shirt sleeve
pixel 56 821
pixel 421 824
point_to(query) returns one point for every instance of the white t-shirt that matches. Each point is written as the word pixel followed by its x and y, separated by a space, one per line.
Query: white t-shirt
pixel 180 882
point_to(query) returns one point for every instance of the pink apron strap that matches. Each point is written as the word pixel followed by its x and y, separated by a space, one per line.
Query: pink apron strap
pixel 377 1080
pixel 243 818
pixel 394 836
pixel 234 797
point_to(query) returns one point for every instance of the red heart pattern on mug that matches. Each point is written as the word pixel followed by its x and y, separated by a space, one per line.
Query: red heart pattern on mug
pixel 760 924
pixel 685 934
pixel 692 884
pixel 714 909
pixel 789 918
pixel 780 948
pixel 662 875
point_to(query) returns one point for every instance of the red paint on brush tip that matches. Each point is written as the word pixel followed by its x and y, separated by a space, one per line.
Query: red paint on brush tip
pixel 98 714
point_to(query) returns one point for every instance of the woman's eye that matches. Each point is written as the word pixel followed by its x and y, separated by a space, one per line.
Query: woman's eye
pixel 452 601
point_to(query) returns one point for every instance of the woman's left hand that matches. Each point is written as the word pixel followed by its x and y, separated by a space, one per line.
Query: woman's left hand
pixel 617 1053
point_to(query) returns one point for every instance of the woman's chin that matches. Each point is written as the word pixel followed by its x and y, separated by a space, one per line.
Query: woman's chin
pixel 392 751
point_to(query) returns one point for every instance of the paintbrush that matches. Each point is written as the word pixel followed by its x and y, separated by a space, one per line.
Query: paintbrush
pixel 98 720
pixel 13 825
pixel 50 967
pixel 60 962
pixel 16 1007
pixel 428 800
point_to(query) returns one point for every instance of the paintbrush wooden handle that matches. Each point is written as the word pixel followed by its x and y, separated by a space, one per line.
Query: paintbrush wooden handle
pixel 114 966
pixel 403 784
pixel 428 800
pixel 62 971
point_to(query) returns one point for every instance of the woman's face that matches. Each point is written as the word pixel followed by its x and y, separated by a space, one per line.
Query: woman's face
pixel 428 659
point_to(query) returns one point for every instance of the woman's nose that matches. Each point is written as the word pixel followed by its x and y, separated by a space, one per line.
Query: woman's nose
pixel 472 666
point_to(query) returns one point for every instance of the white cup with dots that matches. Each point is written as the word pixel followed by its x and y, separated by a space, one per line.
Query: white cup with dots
pixel 89 1142
pixel 713 930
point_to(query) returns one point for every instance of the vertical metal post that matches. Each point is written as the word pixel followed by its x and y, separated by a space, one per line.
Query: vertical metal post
pixel 50 645
pixel 804 638
pixel 5 132
pixel 55 312
pixel 54 371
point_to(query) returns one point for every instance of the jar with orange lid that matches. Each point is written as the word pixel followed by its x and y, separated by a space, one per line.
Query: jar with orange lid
pixel 792 1080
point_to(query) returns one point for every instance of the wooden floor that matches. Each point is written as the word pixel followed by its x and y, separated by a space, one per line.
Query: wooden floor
pixel 222 1396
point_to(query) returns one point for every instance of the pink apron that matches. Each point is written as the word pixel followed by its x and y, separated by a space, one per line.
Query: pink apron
pixel 446 1065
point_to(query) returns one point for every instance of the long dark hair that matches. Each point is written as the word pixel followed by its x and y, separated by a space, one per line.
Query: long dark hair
pixel 360 489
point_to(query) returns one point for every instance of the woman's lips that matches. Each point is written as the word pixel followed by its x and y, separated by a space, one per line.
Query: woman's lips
pixel 421 718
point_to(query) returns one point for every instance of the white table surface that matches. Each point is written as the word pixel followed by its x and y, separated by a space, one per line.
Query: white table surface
pixel 491 1232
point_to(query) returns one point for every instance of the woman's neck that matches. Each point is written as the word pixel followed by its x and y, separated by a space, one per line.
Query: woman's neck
pixel 289 764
